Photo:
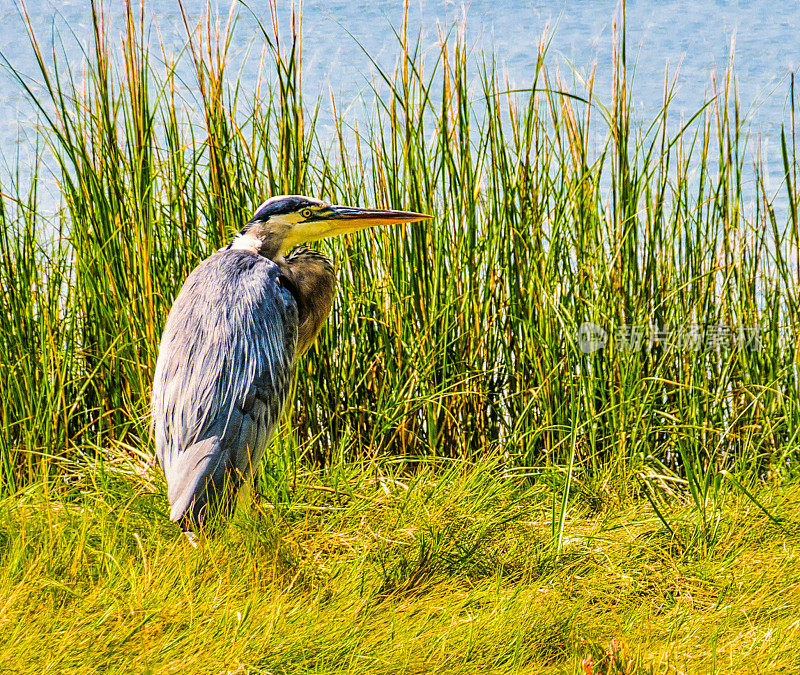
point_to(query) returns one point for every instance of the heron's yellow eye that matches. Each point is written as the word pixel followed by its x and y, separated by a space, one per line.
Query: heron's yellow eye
pixel 306 213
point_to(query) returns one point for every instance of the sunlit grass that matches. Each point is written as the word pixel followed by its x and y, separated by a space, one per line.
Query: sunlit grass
pixel 439 572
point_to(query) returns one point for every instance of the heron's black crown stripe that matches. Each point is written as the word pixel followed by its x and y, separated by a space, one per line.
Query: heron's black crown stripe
pixel 281 207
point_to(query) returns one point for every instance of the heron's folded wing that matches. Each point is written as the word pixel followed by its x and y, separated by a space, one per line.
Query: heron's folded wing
pixel 224 367
pixel 199 464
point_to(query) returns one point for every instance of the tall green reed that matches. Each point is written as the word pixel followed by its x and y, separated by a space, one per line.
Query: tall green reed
pixel 453 339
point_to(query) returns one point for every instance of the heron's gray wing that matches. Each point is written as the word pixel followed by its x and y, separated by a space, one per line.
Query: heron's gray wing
pixel 224 369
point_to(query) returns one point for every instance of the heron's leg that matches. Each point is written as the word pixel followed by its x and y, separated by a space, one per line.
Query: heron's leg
pixel 255 487
pixel 228 499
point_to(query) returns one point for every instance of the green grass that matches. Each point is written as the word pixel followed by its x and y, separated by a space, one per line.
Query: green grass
pixel 382 572
pixel 457 486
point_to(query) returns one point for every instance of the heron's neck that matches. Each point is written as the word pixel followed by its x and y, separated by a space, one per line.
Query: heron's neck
pixel 313 280
pixel 269 247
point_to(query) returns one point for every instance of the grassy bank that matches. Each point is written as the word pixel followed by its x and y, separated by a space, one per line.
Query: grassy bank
pixel 446 571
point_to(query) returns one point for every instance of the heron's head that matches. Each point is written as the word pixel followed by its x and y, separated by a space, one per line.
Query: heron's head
pixel 281 223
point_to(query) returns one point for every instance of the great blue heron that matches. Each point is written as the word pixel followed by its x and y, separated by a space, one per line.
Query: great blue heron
pixel 229 347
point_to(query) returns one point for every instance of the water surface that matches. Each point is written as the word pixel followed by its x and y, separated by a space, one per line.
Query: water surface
pixel 696 40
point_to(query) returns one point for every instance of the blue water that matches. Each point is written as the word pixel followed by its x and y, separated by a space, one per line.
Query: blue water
pixel 694 39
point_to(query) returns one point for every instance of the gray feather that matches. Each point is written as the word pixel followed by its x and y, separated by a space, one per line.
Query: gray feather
pixel 223 373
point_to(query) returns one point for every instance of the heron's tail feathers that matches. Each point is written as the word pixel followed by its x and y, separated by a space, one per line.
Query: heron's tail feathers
pixel 195 475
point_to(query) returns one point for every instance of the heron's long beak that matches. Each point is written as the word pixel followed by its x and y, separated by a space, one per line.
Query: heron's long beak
pixel 346 219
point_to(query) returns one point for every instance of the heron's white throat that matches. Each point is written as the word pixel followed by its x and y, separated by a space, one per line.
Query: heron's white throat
pixel 247 242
